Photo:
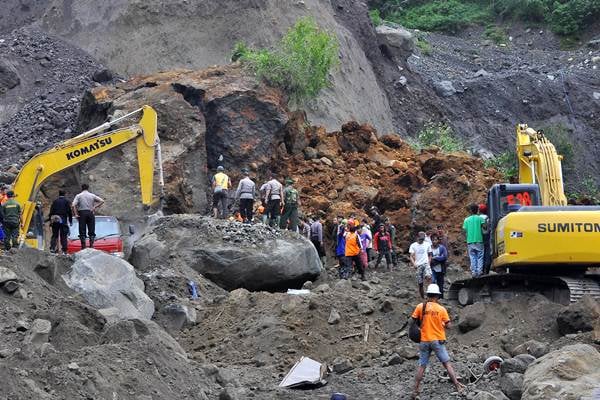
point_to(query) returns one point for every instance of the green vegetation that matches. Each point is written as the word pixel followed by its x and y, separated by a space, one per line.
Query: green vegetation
pixel 424 46
pixel 437 134
pixel 506 164
pixel 496 34
pixel 375 17
pixel 587 192
pixel 299 64
pixel 439 15
pixel 565 17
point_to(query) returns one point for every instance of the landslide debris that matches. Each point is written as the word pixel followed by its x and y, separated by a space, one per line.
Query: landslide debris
pixel 55 346
pixel 347 171
pixel 41 82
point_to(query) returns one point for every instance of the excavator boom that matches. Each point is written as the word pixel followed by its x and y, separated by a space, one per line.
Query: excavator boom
pixel 84 147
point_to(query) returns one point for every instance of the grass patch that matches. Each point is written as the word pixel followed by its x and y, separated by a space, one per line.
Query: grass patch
pixel 506 164
pixel 299 64
pixel 375 17
pixel 439 135
pixel 423 45
pixel 496 34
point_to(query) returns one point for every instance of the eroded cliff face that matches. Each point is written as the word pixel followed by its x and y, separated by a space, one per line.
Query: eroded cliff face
pixel 151 36
pixel 201 115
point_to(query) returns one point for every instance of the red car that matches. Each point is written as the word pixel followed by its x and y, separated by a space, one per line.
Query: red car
pixel 109 237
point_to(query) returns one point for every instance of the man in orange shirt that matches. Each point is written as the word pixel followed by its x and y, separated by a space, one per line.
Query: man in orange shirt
pixel 352 253
pixel 434 322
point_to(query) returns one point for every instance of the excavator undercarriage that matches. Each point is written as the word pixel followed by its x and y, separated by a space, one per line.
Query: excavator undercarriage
pixel 503 286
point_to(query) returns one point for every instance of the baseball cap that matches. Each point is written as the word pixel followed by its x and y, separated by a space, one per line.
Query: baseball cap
pixel 220 168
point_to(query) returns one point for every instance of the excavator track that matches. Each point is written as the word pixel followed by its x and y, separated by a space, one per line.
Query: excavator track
pixel 581 287
pixel 494 287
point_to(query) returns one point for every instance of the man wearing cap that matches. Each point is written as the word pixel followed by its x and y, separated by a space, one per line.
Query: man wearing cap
pixel 11 217
pixel 245 193
pixel 420 258
pixel 220 185
pixel 434 321
pixel 291 200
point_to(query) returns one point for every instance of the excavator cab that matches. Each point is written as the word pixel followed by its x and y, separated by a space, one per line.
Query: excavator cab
pixel 502 200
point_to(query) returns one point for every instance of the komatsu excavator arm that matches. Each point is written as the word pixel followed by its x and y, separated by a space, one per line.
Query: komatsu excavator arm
pixel 540 164
pixel 86 146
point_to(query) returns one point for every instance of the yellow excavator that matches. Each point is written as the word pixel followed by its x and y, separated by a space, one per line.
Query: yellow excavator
pixel 537 243
pixel 84 147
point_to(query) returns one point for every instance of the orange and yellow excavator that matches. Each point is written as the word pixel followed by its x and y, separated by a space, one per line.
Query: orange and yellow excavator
pixel 84 147
pixel 537 242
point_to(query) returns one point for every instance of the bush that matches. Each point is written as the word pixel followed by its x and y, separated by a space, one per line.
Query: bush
pixel 299 64
pixel 440 15
pixel 424 46
pixel 565 17
pixel 495 34
pixel 506 164
pixel 375 17
pixel 587 193
pixel 437 134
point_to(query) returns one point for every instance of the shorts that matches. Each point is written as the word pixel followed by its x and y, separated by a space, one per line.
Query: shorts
pixel 425 349
pixel 423 271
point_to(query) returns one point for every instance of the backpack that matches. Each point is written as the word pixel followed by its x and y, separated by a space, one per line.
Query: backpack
pixel 291 196
pixel 414 330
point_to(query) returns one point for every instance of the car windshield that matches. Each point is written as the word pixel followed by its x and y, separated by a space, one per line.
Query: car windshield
pixel 105 226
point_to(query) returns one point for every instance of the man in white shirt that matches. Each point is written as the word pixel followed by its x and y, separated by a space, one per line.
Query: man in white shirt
pixel 420 258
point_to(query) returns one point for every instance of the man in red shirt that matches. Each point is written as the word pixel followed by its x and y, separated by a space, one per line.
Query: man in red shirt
pixel 434 322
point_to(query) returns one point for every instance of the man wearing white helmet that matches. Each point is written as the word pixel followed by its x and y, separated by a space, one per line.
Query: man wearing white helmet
pixel 434 321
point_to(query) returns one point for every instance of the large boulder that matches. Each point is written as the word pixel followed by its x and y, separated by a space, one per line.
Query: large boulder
pixel 110 284
pixel 202 115
pixel 579 316
pixel 399 42
pixel 512 385
pixel 572 372
pixel 231 254
pixel 471 317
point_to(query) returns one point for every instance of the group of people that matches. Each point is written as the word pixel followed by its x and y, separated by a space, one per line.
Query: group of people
pixel 60 218
pixel 278 204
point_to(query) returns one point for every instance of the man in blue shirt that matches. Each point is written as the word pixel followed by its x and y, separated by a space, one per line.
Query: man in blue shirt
pixel 438 262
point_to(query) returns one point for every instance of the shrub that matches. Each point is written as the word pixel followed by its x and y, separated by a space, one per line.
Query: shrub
pixel 299 64
pixel 495 34
pixel 437 134
pixel 506 164
pixel 440 15
pixel 375 17
pixel 424 46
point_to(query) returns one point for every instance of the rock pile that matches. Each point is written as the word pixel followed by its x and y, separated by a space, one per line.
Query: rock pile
pixel 41 81
pixel 346 172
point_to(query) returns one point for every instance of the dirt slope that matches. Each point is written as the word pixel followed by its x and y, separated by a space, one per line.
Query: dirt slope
pixel 145 37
